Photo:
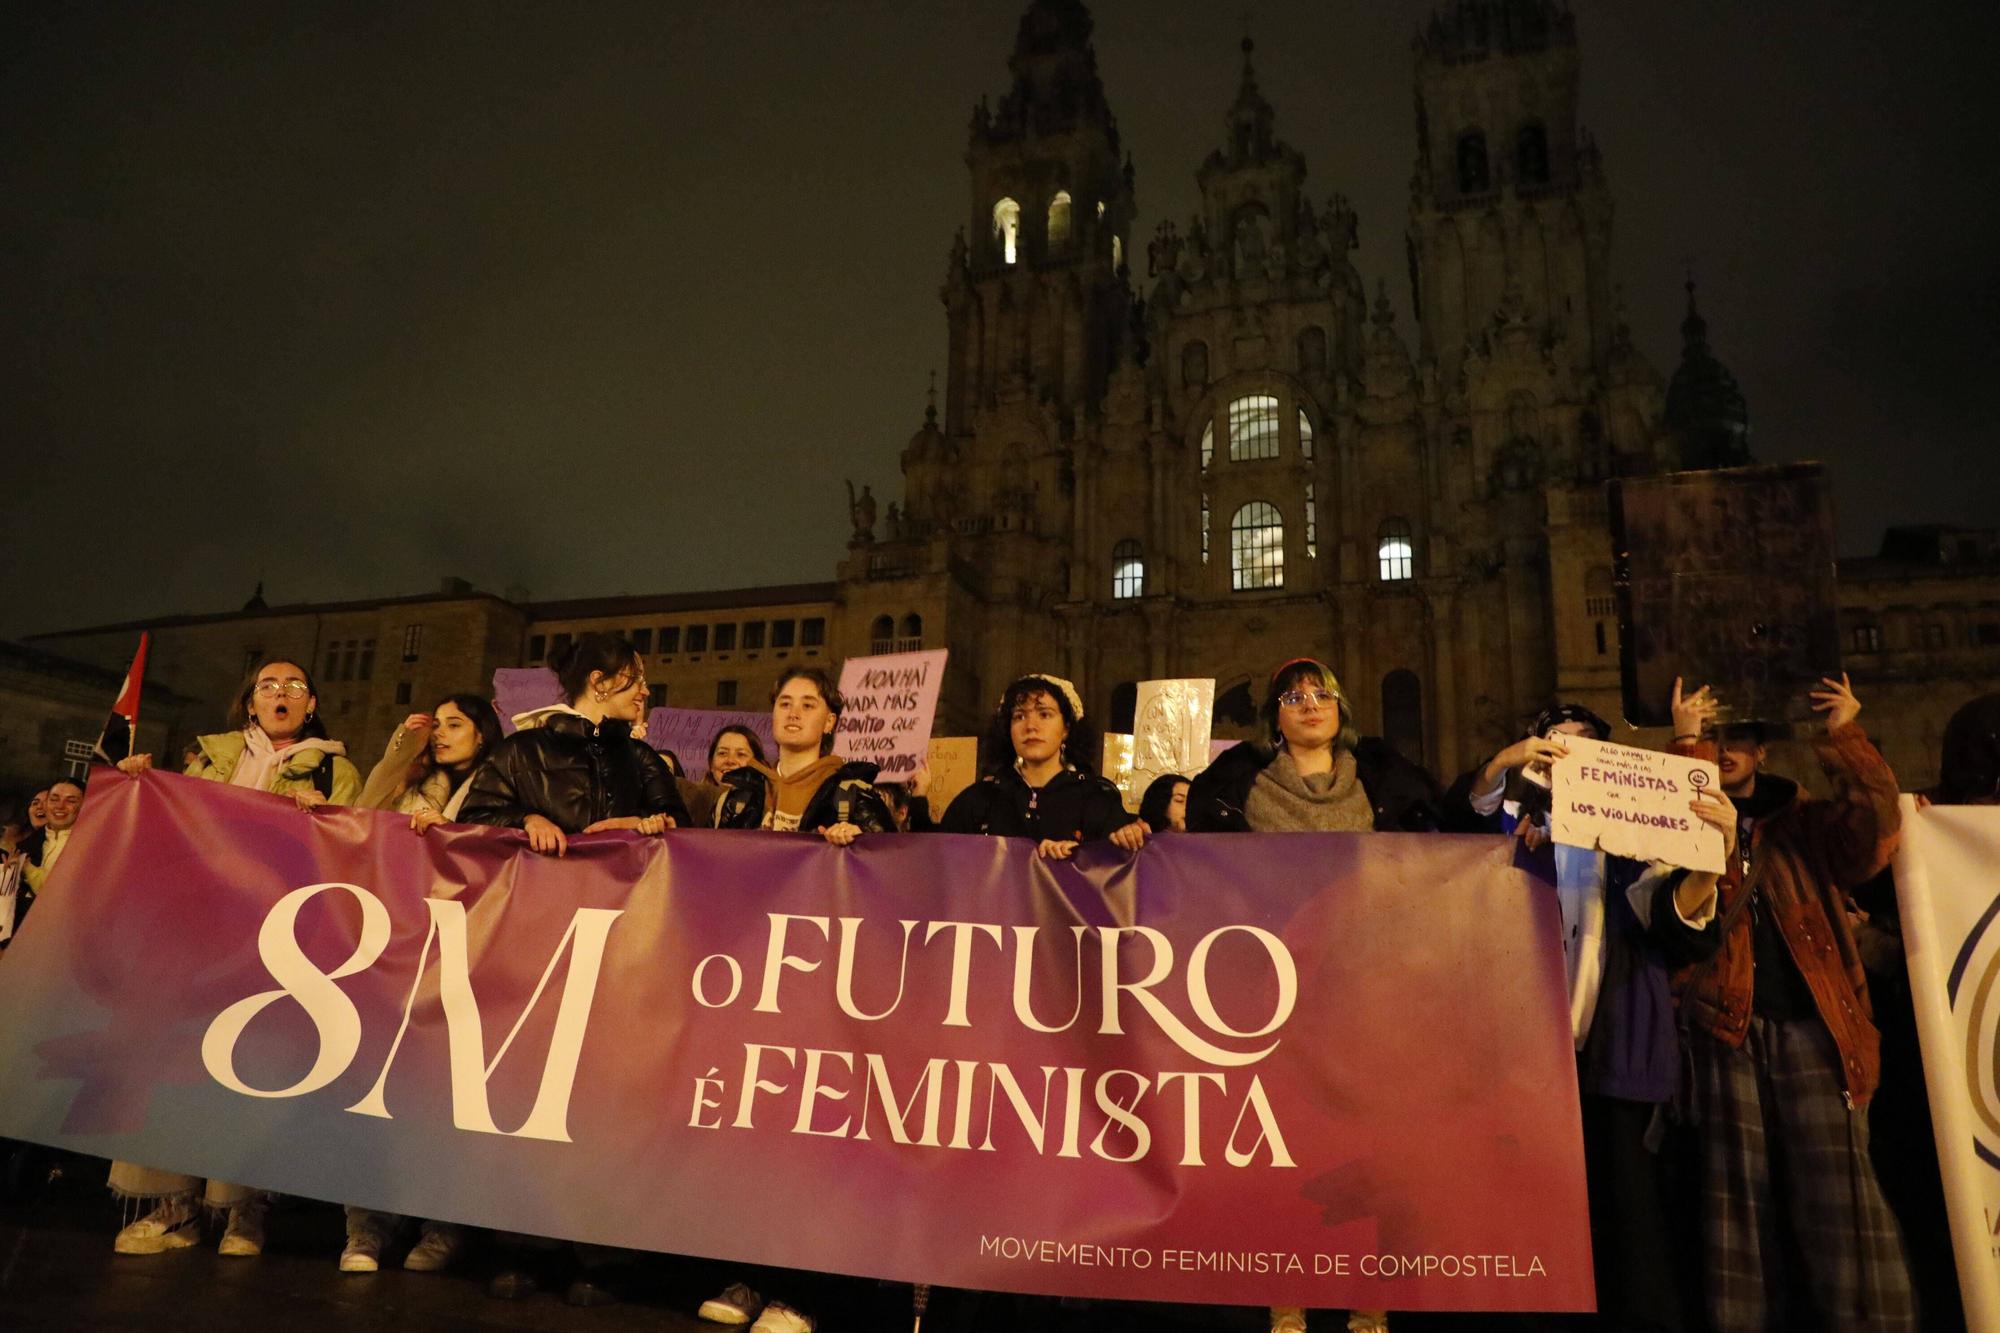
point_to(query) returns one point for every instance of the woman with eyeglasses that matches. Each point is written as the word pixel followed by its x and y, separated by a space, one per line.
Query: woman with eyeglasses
pixel 278 745
pixel 1312 773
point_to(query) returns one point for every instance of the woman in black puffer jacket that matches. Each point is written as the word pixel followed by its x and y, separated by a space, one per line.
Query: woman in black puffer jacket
pixel 580 770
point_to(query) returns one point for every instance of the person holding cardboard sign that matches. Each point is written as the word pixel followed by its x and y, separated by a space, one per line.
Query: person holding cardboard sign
pixel 1782 1043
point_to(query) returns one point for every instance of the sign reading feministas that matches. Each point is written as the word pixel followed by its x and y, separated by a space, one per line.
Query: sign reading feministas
pixel 1949 895
pixel 1328 1070
pixel 1633 802
pixel 891 702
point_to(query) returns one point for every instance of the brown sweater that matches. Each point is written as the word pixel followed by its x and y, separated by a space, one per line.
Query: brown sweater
pixel 1813 853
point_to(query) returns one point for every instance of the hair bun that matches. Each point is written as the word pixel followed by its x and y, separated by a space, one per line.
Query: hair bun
pixel 562 656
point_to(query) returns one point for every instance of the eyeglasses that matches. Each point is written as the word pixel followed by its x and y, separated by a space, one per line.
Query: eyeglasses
pixel 1300 698
pixel 291 689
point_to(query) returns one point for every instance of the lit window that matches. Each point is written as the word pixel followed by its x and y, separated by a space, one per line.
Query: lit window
pixel 1007 228
pixel 1204 527
pixel 1207 445
pixel 1253 428
pixel 1395 553
pixel 1059 220
pixel 1312 525
pixel 1305 436
pixel 1100 209
pixel 1257 547
pixel 413 642
pixel 1117 252
pixel 1128 569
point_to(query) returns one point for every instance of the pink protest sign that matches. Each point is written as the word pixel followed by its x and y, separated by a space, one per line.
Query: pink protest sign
pixel 688 731
pixel 521 690
pixel 890 703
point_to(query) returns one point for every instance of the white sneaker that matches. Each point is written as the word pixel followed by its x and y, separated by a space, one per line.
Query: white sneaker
pixel 244 1236
pixel 1288 1319
pixel 367 1233
pixel 172 1225
pixel 781 1318
pixel 1368 1321
pixel 736 1306
pixel 437 1247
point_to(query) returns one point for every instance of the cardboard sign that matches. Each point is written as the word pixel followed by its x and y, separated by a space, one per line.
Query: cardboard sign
pixel 1726 578
pixel 891 702
pixel 522 690
pixel 1633 802
pixel 689 731
pixel 1170 729
pixel 954 767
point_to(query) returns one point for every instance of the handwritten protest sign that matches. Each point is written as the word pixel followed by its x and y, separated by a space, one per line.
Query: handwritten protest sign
pixel 688 731
pixel 1633 802
pixel 522 690
pixel 954 767
pixel 1171 724
pixel 891 701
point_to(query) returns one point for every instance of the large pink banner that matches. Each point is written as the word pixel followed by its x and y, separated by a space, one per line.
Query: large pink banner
pixel 1297 1069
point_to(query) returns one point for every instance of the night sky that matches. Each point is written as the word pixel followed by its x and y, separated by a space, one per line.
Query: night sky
pixel 608 297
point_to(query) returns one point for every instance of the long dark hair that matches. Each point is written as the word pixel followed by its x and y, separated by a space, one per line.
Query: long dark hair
pixel 478 711
pixel 239 712
pixel 1079 747
pixel 575 662
pixel 1159 795
pixel 749 738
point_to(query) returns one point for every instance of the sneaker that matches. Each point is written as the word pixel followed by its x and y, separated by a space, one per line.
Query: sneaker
pixel 436 1248
pixel 781 1318
pixel 736 1306
pixel 1368 1321
pixel 1288 1319
pixel 243 1238
pixel 172 1225
pixel 367 1233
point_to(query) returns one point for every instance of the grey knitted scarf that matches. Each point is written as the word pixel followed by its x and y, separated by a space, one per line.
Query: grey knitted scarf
pixel 1283 800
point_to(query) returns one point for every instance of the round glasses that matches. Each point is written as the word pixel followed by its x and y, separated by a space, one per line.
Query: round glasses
pixel 291 689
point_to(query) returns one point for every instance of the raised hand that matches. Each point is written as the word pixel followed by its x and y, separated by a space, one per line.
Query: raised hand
pixel 1718 812
pixel 1837 701
pixel 1692 712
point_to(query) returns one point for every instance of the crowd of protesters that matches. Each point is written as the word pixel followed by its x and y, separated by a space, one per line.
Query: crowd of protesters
pixel 1725 1025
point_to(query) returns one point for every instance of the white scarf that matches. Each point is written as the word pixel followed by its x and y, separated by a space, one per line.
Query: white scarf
pixel 260 763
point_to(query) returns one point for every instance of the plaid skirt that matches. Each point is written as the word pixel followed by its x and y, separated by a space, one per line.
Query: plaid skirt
pixel 1795 1231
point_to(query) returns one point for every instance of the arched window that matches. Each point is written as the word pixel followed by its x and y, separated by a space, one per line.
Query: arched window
pixel 1117 252
pixel 1472 174
pixel 1194 365
pixel 1007 229
pixel 1207 445
pixel 882 635
pixel 1531 154
pixel 912 637
pixel 1128 569
pixel 1257 547
pixel 1397 556
pixel 1403 714
pixel 1312 524
pixel 1204 527
pixel 1253 428
pixel 1059 221
pixel 1312 350
pixel 1305 436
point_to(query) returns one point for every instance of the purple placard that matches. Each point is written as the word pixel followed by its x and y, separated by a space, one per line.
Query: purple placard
pixel 521 690
pixel 688 731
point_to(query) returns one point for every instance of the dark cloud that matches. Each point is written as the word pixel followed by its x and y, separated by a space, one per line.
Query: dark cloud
pixel 608 297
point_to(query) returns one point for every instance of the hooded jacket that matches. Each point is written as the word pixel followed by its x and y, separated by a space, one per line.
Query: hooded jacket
pixel 339 782
pixel 1812 853
pixel 573 773
pixel 1402 795
pixel 1069 807
pixel 847 796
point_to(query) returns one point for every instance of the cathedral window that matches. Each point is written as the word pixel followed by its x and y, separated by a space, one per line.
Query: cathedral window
pixel 1312 524
pixel 1007 229
pixel 1253 428
pixel 1117 252
pixel 1059 221
pixel 1204 527
pixel 1257 548
pixel 881 635
pixel 1194 365
pixel 1128 569
pixel 1394 552
pixel 1305 436
pixel 1531 154
pixel 1207 445
pixel 912 637
pixel 1472 174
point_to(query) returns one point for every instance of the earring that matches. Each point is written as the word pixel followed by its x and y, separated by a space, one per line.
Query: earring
pixel 601 695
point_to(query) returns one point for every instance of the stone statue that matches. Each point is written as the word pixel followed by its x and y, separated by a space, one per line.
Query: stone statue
pixel 861 512
pixel 894 522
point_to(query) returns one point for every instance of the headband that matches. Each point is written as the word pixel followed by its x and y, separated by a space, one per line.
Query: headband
pixel 1057 682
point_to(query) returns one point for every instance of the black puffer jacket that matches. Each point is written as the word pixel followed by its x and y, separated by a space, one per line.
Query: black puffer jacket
pixel 1070 807
pixel 847 797
pixel 1404 797
pixel 572 774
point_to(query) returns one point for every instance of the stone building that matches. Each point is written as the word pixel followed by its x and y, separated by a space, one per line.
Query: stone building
pixel 1221 453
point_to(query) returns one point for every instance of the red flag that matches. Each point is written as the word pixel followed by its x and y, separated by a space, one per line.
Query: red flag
pixel 121 729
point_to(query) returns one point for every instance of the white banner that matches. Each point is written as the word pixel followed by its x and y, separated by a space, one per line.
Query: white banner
pixel 1948 887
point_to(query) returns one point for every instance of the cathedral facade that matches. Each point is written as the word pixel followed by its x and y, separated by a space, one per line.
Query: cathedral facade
pixel 1208 450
